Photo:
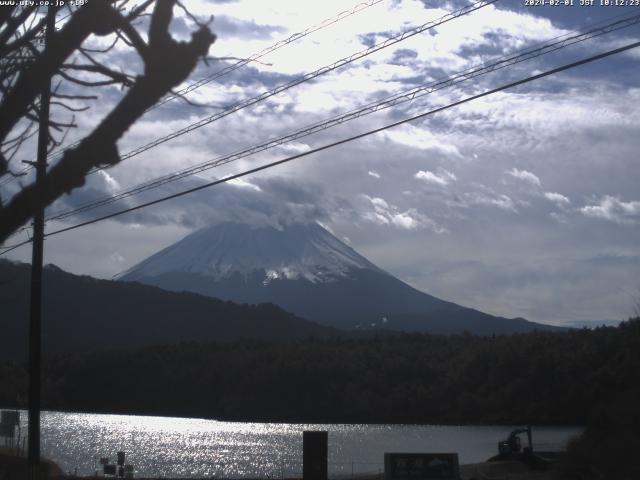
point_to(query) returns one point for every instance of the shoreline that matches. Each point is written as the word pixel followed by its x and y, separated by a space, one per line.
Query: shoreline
pixel 14 467
pixel 304 422
pixel 507 470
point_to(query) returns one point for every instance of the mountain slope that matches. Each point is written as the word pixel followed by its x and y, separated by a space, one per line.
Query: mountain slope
pixel 296 252
pixel 82 313
pixel 306 270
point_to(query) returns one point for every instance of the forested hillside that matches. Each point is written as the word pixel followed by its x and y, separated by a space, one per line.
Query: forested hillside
pixel 539 378
pixel 85 314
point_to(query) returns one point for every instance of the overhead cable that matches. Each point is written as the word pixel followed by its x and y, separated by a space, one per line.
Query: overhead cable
pixel 307 77
pixel 391 101
pixel 295 37
pixel 343 141
pixel 220 73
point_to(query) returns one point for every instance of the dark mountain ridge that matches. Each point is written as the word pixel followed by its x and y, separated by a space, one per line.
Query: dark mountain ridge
pixel 81 313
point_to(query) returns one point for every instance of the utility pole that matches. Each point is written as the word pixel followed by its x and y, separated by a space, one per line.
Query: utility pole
pixel 35 313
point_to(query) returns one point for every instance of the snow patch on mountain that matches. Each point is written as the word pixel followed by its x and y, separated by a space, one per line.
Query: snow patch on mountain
pixel 297 251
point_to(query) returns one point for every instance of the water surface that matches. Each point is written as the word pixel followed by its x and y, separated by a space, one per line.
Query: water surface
pixel 184 447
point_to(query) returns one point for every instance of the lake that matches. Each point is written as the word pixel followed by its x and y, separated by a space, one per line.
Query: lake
pixel 186 447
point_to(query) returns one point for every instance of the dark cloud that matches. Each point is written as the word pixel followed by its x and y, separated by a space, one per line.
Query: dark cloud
pixel 226 26
pixel 252 77
pixel 403 55
pixel 370 39
pixel 270 200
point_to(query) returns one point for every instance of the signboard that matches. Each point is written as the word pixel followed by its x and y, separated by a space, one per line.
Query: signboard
pixel 10 417
pixel 7 431
pixel 128 471
pixel 109 469
pixel 314 455
pixel 421 466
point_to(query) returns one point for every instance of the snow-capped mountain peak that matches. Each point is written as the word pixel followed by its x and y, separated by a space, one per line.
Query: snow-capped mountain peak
pixel 309 272
pixel 297 251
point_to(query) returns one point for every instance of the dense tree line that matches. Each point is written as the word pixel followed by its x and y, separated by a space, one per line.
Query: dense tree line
pixel 608 448
pixel 540 378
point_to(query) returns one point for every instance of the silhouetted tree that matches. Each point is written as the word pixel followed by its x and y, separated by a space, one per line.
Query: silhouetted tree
pixel 25 66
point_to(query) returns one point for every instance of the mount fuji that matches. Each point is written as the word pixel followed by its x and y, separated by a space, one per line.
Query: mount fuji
pixel 306 270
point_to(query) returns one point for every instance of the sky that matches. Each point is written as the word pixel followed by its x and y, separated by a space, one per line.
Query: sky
pixel 524 203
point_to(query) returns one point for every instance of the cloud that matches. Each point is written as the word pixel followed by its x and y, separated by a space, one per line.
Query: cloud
pixel 557 198
pixel 558 217
pixel 239 182
pixel 273 201
pixel 443 179
pixel 525 176
pixel 613 209
pixel 373 174
pixel 226 26
pixel 412 219
pixel 115 257
pixel 385 214
pixel 379 203
pixel 110 183
pixel 501 201
pixel 422 139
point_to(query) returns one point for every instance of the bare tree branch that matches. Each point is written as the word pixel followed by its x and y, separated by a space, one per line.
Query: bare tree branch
pixel 139 10
pixel 167 64
pixel 86 83
pixel 116 77
pixel 75 97
pixel 183 97
pixel 57 143
pixel 133 38
pixel 5 14
pixel 193 18
pixel 98 50
pixel 24 39
pixel 13 23
pixel 94 17
pixel 70 108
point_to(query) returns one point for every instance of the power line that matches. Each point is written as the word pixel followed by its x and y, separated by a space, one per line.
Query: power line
pixel 346 140
pixel 307 77
pixel 283 87
pixel 13 247
pixel 388 102
pixel 295 37
pixel 566 40
pixel 292 38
